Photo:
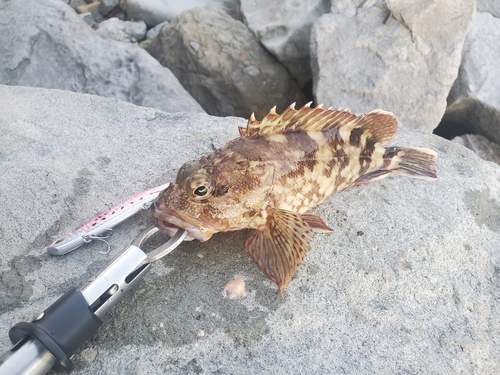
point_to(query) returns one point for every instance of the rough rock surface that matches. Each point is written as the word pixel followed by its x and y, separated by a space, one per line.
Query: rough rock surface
pixel 123 31
pixel 107 6
pixel 154 12
pixel 284 28
pixel 483 148
pixel 408 282
pixel 153 32
pixel 76 3
pixel 405 65
pixel 87 18
pixel 474 100
pixel 489 6
pixel 45 44
pixel 221 64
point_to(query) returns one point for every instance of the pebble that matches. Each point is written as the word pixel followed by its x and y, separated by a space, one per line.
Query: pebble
pixel 88 7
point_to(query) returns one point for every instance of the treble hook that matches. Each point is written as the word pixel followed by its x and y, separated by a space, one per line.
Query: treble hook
pixel 102 237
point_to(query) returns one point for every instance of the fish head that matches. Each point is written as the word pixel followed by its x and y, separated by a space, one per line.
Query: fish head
pixel 214 194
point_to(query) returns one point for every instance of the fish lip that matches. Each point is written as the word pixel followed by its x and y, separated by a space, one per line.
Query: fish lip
pixel 199 230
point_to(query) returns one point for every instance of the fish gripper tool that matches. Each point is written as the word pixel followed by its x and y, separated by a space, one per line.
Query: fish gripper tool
pixel 53 337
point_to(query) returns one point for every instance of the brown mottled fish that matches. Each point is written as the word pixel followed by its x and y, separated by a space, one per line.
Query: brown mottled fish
pixel 276 171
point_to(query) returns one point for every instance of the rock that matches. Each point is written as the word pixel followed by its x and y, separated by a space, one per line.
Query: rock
pixel 152 33
pixel 284 28
pixel 107 6
pixel 483 148
pixel 123 31
pixel 145 43
pixel 474 100
pixel 97 16
pixel 489 6
pixel 45 44
pixel 87 18
pixel 405 65
pixel 87 8
pixel 121 15
pixel 76 3
pixel 154 12
pixel 407 283
pixel 222 65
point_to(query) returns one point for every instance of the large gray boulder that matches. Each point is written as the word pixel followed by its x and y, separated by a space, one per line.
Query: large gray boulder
pixel 390 55
pixel 45 44
pixel 407 283
pixel 222 65
pixel 284 28
pixel 474 100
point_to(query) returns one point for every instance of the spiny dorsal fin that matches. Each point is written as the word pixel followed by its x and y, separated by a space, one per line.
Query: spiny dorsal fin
pixel 381 125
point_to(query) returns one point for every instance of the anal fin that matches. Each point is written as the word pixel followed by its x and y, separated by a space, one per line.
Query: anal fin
pixel 316 223
pixel 371 176
pixel 281 246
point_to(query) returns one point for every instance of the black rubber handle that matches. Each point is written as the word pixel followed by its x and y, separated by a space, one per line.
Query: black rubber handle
pixel 63 328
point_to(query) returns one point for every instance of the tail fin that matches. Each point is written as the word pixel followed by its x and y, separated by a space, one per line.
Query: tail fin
pixel 413 162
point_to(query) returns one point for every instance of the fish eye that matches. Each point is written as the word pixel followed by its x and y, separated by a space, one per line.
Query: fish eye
pixel 199 187
pixel 201 191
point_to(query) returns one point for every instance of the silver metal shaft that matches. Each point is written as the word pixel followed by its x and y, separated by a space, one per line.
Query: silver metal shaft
pixel 31 358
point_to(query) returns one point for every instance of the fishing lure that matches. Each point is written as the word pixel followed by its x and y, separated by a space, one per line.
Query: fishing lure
pixel 101 226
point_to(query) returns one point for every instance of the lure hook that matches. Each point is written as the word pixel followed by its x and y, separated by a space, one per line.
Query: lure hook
pixel 103 237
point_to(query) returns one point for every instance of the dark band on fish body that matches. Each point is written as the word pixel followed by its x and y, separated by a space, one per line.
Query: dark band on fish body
pixel 339 181
pixel 259 148
pixel 365 158
pixel 390 152
pixel 300 140
pixel 333 136
pixel 355 137
pixel 252 148
pixel 310 160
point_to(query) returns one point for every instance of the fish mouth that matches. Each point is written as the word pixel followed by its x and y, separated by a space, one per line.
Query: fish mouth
pixel 170 221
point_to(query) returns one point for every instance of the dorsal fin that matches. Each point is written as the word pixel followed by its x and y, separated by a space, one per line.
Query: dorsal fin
pixel 380 125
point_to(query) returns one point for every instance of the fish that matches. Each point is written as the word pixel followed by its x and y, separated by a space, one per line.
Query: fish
pixel 276 171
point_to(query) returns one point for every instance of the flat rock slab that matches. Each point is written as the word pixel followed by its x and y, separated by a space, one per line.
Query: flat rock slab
pixel 408 282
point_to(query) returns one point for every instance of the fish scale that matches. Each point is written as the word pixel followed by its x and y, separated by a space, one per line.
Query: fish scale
pixel 276 171
pixel 325 167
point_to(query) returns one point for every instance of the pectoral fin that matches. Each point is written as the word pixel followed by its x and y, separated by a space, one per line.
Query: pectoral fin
pixel 281 246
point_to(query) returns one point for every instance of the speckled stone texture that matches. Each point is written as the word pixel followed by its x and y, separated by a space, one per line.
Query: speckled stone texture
pixel 408 282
